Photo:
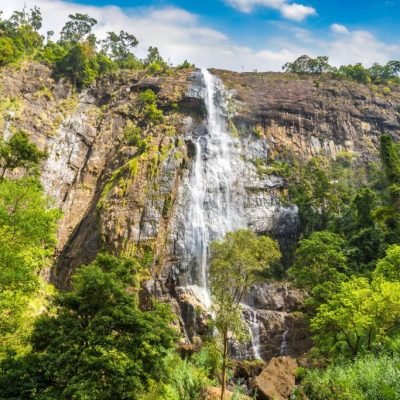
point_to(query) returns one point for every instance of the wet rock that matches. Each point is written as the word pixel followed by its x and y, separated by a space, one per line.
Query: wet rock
pixel 277 380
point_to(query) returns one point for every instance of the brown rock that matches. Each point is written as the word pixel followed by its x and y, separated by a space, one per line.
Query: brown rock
pixel 214 393
pixel 277 380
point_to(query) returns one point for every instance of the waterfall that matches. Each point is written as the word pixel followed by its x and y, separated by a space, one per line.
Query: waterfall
pixel 284 344
pixel 214 204
pixel 254 328
pixel 213 209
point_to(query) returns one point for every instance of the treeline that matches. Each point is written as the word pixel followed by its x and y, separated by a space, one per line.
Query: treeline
pixel 78 54
pixel 377 74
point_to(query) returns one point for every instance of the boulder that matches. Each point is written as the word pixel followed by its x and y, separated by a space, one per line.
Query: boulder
pixel 277 380
pixel 214 393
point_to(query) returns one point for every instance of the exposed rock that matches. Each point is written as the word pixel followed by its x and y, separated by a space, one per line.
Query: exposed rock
pixel 312 115
pixel 214 393
pixel 277 380
pixel 117 198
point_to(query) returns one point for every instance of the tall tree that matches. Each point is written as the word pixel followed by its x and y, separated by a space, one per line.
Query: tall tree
pixel 359 315
pixel 94 342
pixel 27 239
pixel 77 28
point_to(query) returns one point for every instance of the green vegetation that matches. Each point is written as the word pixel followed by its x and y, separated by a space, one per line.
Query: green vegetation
pixel 368 377
pixel 349 261
pixel 237 263
pixel 19 152
pixel 78 55
pixel 93 341
pixel 377 74
pixel 27 230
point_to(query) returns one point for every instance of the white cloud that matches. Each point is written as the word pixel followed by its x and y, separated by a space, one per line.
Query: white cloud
pixel 361 46
pixel 294 11
pixel 297 12
pixel 249 5
pixel 338 28
pixel 180 35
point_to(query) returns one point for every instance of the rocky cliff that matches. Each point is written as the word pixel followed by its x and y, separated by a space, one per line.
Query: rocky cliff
pixel 126 198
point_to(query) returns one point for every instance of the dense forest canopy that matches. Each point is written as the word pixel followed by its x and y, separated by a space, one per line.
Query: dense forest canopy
pixel 97 341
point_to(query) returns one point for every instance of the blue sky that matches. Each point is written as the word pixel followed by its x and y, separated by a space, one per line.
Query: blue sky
pixel 243 34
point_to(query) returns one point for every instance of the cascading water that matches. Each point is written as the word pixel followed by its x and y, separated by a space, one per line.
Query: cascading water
pixel 284 344
pixel 254 328
pixel 215 201
pixel 213 208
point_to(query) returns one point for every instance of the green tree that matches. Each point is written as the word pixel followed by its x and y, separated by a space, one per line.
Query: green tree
pixel 120 47
pixel 355 72
pixel 358 316
pixel 7 52
pixel 154 62
pixel 27 239
pixel 77 28
pixel 78 64
pixel 308 65
pixel 19 152
pixel 237 262
pixel 311 190
pixel 320 264
pixel 94 342
pixel 389 266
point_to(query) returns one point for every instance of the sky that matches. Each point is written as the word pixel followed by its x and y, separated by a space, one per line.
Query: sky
pixel 241 35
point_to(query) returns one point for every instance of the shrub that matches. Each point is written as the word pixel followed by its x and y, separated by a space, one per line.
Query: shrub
pixel 367 377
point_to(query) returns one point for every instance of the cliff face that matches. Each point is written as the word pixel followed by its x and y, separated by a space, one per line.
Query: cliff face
pixel 130 200
pixel 311 116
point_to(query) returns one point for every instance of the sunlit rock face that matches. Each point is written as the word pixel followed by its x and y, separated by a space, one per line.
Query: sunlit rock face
pixel 197 180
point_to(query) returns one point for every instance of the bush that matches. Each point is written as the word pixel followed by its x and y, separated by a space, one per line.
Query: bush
pixel 76 66
pixel 7 53
pixel 148 104
pixel 368 377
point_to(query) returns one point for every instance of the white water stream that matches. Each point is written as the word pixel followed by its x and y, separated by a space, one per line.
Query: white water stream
pixel 213 208
pixel 215 204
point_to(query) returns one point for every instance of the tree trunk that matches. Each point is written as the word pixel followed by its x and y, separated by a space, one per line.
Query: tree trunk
pixel 224 365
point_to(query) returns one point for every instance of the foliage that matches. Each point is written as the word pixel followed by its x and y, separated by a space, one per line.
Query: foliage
pixel 186 381
pixel 320 264
pixel 308 65
pixel 77 28
pixel 27 231
pixel 237 262
pixel 185 65
pixel 368 377
pixel 133 137
pixel 154 62
pixel 19 152
pixel 78 64
pixel 358 316
pixel 94 342
pixel 119 47
pixel 377 74
pixel 78 55
pixel 7 52
pixel 389 266
pixel 148 107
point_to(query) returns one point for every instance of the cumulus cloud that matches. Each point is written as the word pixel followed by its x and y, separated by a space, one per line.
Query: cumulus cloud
pixel 297 12
pixel 338 28
pixel 180 35
pixel 293 11
pixel 248 6
pixel 361 46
